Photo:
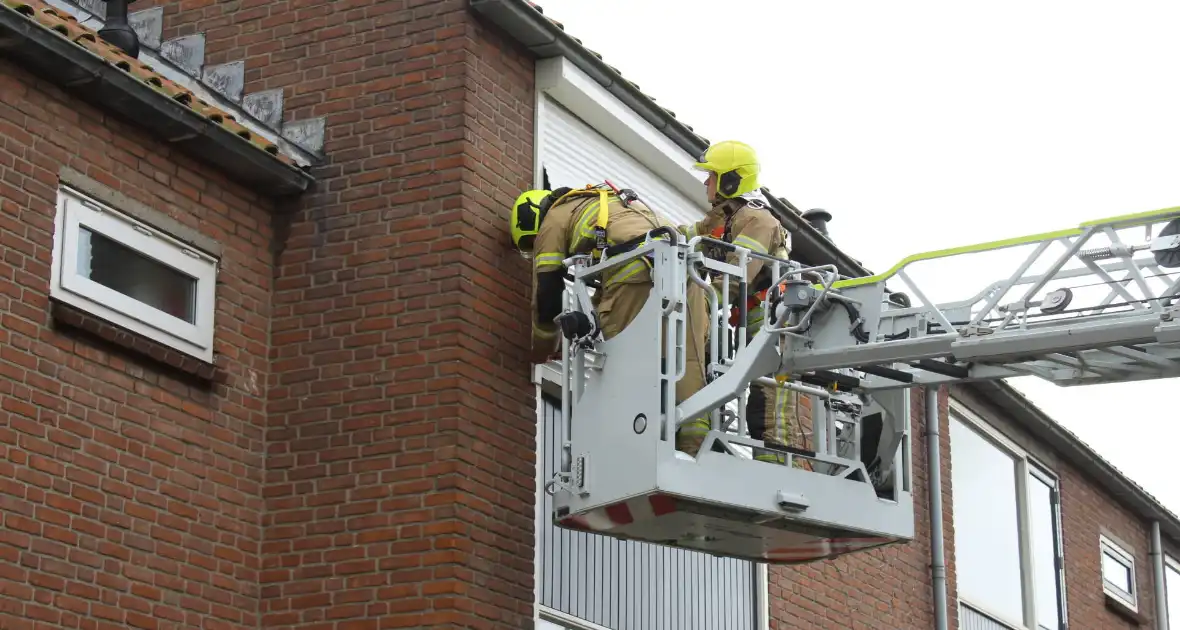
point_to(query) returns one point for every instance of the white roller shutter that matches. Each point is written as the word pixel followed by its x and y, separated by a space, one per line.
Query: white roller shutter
pixel 625 585
pixel 630 585
pixel 573 154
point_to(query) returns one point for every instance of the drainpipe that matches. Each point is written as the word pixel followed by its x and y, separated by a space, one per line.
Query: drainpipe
pixel 934 477
pixel 1157 561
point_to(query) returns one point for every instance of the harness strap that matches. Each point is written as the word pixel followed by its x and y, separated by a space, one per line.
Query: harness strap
pixel 600 228
pixel 601 221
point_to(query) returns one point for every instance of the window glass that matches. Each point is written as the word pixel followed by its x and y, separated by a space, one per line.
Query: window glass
pixel 987 535
pixel 1116 572
pixel 1043 531
pixel 137 276
pixel 1172 594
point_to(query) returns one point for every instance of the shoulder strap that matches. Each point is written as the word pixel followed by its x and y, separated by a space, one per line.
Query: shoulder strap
pixel 600 228
pixel 603 217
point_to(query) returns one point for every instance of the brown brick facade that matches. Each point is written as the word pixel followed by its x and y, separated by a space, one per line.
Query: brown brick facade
pixel 371 461
pixel 400 444
pixel 399 481
pixel 885 588
pixel 1087 514
pixel 366 457
pixel 131 496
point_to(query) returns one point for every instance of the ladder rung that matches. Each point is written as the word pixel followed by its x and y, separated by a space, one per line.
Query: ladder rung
pixel 824 378
pixel 943 368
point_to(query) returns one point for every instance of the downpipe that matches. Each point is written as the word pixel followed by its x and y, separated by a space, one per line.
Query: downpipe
pixel 937 540
pixel 1157 563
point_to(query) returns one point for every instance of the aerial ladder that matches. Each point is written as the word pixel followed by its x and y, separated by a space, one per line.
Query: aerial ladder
pixel 1098 303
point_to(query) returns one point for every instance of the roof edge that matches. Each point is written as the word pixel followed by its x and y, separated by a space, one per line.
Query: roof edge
pixel 816 247
pixel 91 78
pixel 545 38
pixel 182 61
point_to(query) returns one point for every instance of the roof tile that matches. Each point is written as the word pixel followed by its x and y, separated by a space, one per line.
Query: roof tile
pixel 67 26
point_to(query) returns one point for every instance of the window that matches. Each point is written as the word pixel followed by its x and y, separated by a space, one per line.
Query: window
pixel 1007 530
pixel 987 533
pixel 1046 548
pixel 1172 590
pixel 1118 573
pixel 133 275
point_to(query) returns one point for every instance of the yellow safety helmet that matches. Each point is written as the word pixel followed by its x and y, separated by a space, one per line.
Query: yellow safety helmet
pixel 526 220
pixel 736 166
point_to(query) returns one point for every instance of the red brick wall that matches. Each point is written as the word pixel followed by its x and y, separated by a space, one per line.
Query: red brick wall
pixel 1086 514
pixel 400 446
pixel 879 589
pixel 130 497
pixel 370 463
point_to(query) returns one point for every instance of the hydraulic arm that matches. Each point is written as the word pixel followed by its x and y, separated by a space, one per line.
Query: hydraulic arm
pixel 1026 324
pixel 1093 304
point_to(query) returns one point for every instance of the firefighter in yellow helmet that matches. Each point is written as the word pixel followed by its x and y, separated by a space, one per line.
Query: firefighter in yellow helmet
pixel 549 227
pixel 743 219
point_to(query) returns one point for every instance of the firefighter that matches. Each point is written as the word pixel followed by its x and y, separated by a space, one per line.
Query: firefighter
pixel 744 220
pixel 549 227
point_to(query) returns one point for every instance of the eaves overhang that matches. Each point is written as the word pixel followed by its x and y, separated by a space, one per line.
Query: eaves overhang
pixel 58 53
pixel 546 38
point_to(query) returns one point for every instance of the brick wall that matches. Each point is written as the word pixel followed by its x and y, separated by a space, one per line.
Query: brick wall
pixel 370 461
pixel 400 460
pixel 1086 514
pixel 131 497
pixel 882 589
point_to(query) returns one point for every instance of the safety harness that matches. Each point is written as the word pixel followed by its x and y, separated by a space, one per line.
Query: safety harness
pixel 603 192
pixel 724 233
pixel 603 248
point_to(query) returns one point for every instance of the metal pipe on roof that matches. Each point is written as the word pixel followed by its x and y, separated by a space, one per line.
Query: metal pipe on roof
pixel 819 218
pixel 1157 563
pixel 934 488
pixel 117 31
pixel 806 236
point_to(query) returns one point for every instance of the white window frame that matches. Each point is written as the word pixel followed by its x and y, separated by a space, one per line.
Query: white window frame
pixel 1174 565
pixel 564 82
pixel 1116 551
pixel 1026 465
pixel 76 210
pixel 564 621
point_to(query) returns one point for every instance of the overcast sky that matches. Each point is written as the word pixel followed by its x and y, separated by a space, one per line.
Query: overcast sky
pixel 925 125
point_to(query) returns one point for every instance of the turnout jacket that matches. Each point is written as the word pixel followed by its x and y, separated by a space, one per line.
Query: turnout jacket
pixel 567 229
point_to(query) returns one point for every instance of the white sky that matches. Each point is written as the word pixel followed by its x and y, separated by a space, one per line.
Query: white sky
pixel 922 125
